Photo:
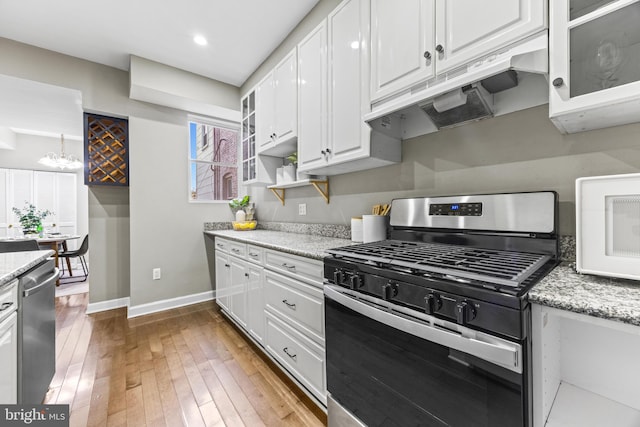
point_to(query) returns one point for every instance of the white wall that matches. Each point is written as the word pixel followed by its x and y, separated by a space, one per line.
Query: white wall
pixel 30 148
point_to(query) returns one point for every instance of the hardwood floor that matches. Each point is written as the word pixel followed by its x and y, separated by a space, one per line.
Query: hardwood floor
pixel 182 367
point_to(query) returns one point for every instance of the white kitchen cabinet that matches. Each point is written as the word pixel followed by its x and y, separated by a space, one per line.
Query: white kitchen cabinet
pixel 276 109
pixel 223 279
pixel 5 207
pixel 276 298
pixel 312 99
pixel 256 169
pixel 469 29
pixel 594 62
pixel 349 144
pixel 402 42
pixel 584 370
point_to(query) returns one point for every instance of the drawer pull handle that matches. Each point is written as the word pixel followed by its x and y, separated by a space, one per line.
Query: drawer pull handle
pixel 286 351
pixel 227 265
pixel 235 250
pixel 220 245
pixel 290 267
pixel 288 304
pixel 5 305
pixel 253 254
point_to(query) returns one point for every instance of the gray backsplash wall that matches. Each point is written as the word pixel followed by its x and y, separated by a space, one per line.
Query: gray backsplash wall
pixel 521 151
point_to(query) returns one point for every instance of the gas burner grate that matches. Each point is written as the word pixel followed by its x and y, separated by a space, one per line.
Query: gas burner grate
pixel 506 268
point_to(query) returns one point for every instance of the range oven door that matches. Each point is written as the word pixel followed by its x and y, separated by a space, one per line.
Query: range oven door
pixel 390 366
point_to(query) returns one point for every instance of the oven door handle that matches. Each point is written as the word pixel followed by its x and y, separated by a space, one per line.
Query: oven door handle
pixel 499 352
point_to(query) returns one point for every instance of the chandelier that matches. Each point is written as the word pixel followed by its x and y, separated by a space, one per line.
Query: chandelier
pixel 61 161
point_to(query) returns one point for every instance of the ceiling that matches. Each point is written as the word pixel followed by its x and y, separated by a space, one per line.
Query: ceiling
pixel 241 34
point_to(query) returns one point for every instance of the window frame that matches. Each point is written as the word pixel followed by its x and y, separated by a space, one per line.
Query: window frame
pixel 219 123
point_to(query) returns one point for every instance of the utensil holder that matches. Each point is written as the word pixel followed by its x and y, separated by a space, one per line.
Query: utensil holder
pixel 374 228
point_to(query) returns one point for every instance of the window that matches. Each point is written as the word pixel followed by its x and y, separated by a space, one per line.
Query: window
pixel 213 156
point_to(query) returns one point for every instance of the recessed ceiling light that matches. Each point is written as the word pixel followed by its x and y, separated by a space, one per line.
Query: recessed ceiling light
pixel 200 40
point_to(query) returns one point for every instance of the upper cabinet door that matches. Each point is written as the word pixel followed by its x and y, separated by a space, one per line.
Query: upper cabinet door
pixel 469 29
pixel 349 95
pixel 286 82
pixel 594 64
pixel 265 113
pixel 402 35
pixel 312 99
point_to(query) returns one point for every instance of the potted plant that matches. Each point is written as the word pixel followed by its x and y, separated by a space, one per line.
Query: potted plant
pixel 31 219
pixel 237 204
pixel 290 169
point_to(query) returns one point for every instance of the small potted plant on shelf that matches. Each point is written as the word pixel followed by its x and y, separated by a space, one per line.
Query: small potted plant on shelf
pixel 30 218
pixel 238 204
pixel 289 169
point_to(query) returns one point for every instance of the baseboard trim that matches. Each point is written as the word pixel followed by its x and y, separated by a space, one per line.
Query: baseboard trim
pixel 96 307
pixel 168 304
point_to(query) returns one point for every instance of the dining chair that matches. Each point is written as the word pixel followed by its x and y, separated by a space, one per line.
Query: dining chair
pixel 19 246
pixel 77 253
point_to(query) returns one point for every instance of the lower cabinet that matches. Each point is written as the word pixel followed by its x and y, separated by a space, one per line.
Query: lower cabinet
pixel 277 300
pixel 302 357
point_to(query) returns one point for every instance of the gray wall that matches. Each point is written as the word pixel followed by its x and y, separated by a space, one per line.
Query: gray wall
pixel 521 151
pixel 30 148
pixel 106 90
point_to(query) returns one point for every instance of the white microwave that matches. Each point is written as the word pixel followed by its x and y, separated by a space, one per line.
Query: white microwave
pixel 608 225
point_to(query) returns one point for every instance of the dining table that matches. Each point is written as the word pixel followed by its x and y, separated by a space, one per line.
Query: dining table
pixel 51 241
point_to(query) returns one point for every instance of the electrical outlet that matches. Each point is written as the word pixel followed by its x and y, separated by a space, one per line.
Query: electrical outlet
pixel 157 274
pixel 302 208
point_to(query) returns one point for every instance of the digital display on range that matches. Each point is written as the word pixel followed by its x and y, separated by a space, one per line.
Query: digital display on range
pixel 456 209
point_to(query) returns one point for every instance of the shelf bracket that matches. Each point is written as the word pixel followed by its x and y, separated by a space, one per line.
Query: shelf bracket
pixel 323 191
pixel 279 192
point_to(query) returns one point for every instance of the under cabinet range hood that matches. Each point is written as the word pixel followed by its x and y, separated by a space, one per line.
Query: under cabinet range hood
pixel 512 80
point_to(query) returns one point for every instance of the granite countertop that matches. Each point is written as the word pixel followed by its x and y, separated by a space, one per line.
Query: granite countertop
pixel 607 298
pixel 306 245
pixel 13 264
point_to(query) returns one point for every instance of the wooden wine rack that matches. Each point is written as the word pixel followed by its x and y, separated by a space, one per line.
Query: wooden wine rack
pixel 106 151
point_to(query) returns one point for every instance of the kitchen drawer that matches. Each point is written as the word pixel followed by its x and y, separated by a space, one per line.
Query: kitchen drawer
pixel 296 302
pixel 8 299
pixel 292 265
pixel 255 254
pixel 238 249
pixel 304 359
pixel 223 245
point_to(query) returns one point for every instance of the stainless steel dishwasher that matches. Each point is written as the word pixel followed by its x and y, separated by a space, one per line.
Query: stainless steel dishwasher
pixel 36 332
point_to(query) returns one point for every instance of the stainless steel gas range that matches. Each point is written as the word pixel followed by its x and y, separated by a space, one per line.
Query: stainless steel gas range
pixel 432 327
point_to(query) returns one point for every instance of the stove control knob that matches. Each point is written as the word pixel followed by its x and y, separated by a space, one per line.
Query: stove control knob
pixel 355 281
pixel 338 276
pixel 465 312
pixel 433 303
pixel 389 291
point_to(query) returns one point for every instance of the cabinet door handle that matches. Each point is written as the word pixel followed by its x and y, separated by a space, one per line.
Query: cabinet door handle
pixel 288 304
pixel 286 351
pixel 440 49
pixel 246 274
pixel 290 267
pixel 558 82
pixel 227 265
pixel 323 152
pixel 328 151
pixel 427 55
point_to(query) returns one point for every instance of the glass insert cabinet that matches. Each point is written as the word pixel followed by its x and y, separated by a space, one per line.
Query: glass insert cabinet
pixel 594 63
pixel 249 137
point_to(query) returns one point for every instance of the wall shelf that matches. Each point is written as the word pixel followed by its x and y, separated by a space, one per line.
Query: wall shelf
pixel 321 185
